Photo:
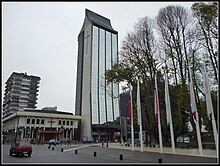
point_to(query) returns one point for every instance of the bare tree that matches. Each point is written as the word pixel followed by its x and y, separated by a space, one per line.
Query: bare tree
pixel 173 24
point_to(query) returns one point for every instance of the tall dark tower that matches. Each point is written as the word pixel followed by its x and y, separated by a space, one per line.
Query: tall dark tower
pixel 97 52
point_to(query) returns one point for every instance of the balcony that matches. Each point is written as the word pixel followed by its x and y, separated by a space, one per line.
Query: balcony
pixel 25 85
pixel 14 95
pixel 24 92
pixel 21 105
pixel 14 91
pixel 17 79
pixel 16 86
pixel 14 100
pixel 14 104
pixel 25 88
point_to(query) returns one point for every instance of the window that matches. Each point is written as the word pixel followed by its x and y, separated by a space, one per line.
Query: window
pixel 33 121
pixel 95 72
pixel 28 120
pixel 42 121
pixel 68 123
pixel 64 122
pixel 38 121
pixel 59 122
pixel 71 123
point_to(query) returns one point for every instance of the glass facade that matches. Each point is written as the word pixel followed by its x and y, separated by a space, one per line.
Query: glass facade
pixel 95 75
pixel 104 54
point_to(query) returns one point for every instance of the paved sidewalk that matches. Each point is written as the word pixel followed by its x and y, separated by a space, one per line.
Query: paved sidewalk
pixel 168 150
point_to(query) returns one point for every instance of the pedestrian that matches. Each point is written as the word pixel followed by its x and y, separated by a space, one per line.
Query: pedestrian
pixel 69 142
pixel 102 143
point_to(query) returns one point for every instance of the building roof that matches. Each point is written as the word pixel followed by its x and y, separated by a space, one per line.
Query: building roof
pixel 24 75
pixel 43 113
pixel 46 111
pixel 99 21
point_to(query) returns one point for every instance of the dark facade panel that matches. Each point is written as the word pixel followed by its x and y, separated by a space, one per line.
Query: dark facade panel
pixel 123 104
pixel 100 21
pixel 78 104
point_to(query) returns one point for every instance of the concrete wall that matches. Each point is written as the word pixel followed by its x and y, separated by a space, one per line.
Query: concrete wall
pixel 86 88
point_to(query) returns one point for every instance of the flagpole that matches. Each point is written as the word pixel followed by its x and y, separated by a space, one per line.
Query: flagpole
pixel 168 108
pixel 141 135
pixel 172 136
pixel 139 115
pixel 158 115
pixel 198 134
pixel 132 124
pixel 215 133
pixel 209 107
pixel 194 111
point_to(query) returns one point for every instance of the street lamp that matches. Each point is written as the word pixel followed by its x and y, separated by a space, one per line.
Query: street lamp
pixel 39 135
pixel 107 135
pixel 19 133
pixel 28 134
pixel 17 130
pixel 61 133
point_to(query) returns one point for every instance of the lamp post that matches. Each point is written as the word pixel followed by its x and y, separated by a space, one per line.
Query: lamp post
pixel 19 133
pixel 61 133
pixel 28 134
pixel 39 135
pixel 107 135
pixel 16 134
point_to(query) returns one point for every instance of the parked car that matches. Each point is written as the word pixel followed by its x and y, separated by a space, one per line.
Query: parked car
pixel 86 141
pixel 20 148
pixel 53 142
pixel 185 139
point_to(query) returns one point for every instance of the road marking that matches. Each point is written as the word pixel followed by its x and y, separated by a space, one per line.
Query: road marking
pixel 66 150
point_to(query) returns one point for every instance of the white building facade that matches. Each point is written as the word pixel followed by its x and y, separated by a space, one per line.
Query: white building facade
pixel 40 126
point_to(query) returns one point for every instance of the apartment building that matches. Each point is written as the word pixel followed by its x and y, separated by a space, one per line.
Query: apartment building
pixel 21 91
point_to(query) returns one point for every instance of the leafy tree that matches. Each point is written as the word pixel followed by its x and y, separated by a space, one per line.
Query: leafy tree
pixel 182 41
pixel 206 15
pixel 137 60
pixel 173 24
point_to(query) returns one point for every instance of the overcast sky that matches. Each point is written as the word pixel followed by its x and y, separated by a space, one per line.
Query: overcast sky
pixel 41 39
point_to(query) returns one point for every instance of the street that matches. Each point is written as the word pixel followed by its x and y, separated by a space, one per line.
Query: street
pixel 95 153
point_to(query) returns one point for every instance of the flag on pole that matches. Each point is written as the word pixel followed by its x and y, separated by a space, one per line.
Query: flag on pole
pixel 138 103
pixel 157 114
pixel 191 95
pixel 194 110
pixel 167 100
pixel 207 94
pixel 209 107
pixel 129 107
pixel 156 101
pixel 139 115
pixel 168 111
pixel 131 117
